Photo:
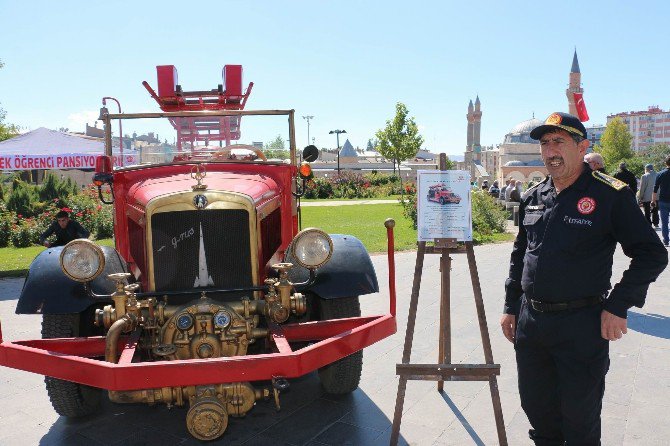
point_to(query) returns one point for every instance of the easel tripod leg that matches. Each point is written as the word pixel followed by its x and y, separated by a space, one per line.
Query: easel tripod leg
pixel 486 343
pixel 409 337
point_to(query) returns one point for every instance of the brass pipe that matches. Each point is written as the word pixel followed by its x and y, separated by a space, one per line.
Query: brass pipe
pixel 125 324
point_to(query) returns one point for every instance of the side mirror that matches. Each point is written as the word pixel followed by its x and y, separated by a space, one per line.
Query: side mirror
pixel 310 153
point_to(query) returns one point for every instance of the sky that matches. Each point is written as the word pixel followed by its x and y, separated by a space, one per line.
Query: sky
pixel 347 63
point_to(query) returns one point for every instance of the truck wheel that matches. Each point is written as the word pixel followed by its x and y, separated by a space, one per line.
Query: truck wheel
pixel 441 200
pixel 67 398
pixel 342 376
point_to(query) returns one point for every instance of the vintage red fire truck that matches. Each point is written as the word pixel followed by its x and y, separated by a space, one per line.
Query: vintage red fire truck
pixel 442 194
pixel 212 297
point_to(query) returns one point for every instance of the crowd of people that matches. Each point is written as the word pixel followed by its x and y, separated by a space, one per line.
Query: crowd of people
pixel 652 190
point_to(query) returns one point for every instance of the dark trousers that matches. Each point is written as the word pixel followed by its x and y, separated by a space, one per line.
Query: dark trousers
pixel 562 361
pixel 651 213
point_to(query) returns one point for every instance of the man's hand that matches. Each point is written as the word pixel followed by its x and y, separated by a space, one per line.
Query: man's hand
pixel 612 327
pixel 508 324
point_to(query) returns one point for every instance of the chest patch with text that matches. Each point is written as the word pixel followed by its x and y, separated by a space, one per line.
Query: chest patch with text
pixel 586 205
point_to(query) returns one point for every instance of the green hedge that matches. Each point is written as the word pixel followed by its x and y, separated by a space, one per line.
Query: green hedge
pixel 25 216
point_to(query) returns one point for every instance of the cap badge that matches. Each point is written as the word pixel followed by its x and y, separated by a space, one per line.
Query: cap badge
pixel 586 205
pixel 554 119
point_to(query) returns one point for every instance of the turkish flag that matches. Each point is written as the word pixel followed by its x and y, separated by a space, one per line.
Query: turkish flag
pixel 581 107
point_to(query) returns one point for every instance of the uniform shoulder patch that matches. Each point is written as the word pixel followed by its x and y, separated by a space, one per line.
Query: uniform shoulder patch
pixel 610 181
pixel 530 190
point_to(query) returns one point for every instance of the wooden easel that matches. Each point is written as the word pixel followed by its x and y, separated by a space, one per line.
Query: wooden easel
pixel 444 370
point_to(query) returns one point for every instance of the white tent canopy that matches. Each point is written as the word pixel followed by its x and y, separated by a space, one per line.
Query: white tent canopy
pixel 49 149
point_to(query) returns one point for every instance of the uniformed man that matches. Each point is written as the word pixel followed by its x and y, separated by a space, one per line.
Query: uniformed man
pixel 557 311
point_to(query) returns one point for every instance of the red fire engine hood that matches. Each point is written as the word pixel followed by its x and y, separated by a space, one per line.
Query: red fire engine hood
pixel 259 187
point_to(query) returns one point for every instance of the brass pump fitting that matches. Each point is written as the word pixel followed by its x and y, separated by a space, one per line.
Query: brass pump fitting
pixel 120 296
pixel 211 405
pixel 283 285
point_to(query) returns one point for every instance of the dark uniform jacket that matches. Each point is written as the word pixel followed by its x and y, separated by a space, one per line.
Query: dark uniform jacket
pixel 72 231
pixel 627 177
pixel 565 246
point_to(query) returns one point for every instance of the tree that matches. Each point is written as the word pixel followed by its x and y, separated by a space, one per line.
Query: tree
pixel 276 148
pixel 615 144
pixel 6 130
pixel 656 155
pixel 400 139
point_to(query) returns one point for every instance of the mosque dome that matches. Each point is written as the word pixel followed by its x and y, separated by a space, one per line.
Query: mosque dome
pixel 514 163
pixel 535 163
pixel 520 133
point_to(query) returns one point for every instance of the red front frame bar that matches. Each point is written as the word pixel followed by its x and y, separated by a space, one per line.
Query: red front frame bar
pixel 70 358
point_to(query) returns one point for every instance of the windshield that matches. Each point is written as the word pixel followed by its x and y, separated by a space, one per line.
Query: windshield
pixel 160 138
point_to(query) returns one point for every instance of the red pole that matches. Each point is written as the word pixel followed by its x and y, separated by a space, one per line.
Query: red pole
pixel 390 223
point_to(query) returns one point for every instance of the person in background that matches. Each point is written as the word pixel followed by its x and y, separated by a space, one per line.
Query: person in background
pixel 515 195
pixel 485 185
pixel 65 229
pixel 511 184
pixel 494 190
pixel 627 177
pixel 645 193
pixel 503 191
pixel 661 198
pixel 595 161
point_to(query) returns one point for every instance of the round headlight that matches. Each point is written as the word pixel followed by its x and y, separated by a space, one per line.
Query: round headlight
pixel 312 248
pixel 82 260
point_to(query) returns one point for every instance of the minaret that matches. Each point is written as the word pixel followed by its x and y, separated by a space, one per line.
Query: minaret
pixel 575 85
pixel 477 129
pixel 471 120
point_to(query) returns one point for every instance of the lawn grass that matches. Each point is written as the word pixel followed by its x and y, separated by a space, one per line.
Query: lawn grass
pixel 14 262
pixel 365 222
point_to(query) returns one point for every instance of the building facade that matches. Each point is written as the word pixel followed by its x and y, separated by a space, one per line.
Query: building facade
pixel 594 134
pixel 646 127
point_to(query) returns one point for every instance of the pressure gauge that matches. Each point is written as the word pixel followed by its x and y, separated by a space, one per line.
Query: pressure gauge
pixel 184 322
pixel 221 319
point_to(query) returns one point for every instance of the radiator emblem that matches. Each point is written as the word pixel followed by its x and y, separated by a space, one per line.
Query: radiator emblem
pixel 203 279
pixel 200 201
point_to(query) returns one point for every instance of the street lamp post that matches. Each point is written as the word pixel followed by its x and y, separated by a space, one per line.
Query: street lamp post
pixel 337 132
pixel 308 118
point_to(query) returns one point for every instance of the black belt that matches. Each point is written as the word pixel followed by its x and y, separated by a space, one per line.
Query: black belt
pixel 548 307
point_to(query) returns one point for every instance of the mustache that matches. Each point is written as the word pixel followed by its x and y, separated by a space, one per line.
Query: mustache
pixel 553 158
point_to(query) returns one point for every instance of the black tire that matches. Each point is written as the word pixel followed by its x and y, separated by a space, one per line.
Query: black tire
pixel 441 200
pixel 67 398
pixel 342 376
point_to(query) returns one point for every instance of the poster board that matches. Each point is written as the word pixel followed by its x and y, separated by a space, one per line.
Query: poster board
pixel 444 205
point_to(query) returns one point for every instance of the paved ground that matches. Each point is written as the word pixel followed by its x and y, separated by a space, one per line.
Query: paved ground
pixel 635 412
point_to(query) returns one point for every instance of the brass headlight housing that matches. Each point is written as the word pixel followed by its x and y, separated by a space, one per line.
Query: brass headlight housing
pixel 312 248
pixel 82 260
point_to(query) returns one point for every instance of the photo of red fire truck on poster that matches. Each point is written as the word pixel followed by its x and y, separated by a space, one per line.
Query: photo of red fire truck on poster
pixel 443 205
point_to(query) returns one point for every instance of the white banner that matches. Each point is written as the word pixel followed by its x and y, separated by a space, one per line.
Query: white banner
pixel 65 161
pixel 443 205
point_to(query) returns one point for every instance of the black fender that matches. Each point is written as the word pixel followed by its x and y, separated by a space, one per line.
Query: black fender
pixel 48 290
pixel 348 273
